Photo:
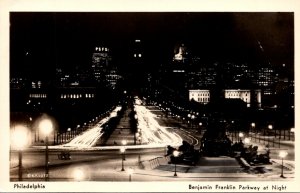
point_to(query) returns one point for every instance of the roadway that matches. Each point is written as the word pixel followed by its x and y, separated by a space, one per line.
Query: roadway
pixel 91 162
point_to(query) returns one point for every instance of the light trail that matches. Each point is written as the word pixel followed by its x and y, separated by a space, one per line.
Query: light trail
pixel 152 133
pixel 90 137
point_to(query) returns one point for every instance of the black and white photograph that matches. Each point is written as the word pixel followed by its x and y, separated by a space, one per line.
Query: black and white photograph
pixel 152 96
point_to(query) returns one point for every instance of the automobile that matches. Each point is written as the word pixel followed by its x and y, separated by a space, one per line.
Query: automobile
pixel 64 155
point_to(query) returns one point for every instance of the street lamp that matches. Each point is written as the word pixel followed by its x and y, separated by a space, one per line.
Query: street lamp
pixel 291 131
pixel 69 132
pixel 192 120
pixel 124 142
pixel 270 127
pixel 247 140
pixel 175 154
pixel 20 141
pixel 122 150
pixel 78 174
pixel 241 135
pixel 252 128
pixel 282 155
pixel 136 137
pixel 200 127
pixel 46 126
pixel 130 172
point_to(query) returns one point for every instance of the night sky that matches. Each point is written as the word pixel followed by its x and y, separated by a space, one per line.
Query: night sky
pixel 41 42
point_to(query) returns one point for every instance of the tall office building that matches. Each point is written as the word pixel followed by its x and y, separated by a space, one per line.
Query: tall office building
pixel 101 60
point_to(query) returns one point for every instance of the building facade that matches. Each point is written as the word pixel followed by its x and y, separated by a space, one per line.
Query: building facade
pixel 250 97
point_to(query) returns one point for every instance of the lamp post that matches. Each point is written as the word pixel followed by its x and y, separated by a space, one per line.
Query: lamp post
pixel 241 135
pixel 20 140
pixel 270 127
pixel 175 154
pixel 124 142
pixel 122 150
pixel 130 172
pixel 30 126
pixel 291 131
pixel 137 135
pixel 47 127
pixel 253 130
pixel 69 133
pixel 189 116
pixel 192 120
pixel 200 127
pixel 282 155
pixel 247 140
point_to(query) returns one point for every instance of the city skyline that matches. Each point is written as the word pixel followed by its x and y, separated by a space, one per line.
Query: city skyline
pixel 42 42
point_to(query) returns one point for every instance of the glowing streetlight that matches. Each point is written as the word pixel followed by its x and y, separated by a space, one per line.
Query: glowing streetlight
pixel 130 172
pixel 122 150
pixel 20 141
pixel 46 126
pixel 292 130
pixel 270 127
pixel 252 128
pixel 175 154
pixel 282 155
pixel 247 140
pixel 78 174
pixel 137 135
pixel 124 142
pixel 241 135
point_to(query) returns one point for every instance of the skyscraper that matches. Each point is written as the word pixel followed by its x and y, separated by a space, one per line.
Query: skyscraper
pixel 101 60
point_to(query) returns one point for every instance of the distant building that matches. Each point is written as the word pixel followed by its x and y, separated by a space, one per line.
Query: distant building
pixel 200 96
pixel 246 95
pixel 266 80
pixel 101 60
pixel 17 83
pixel 112 78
